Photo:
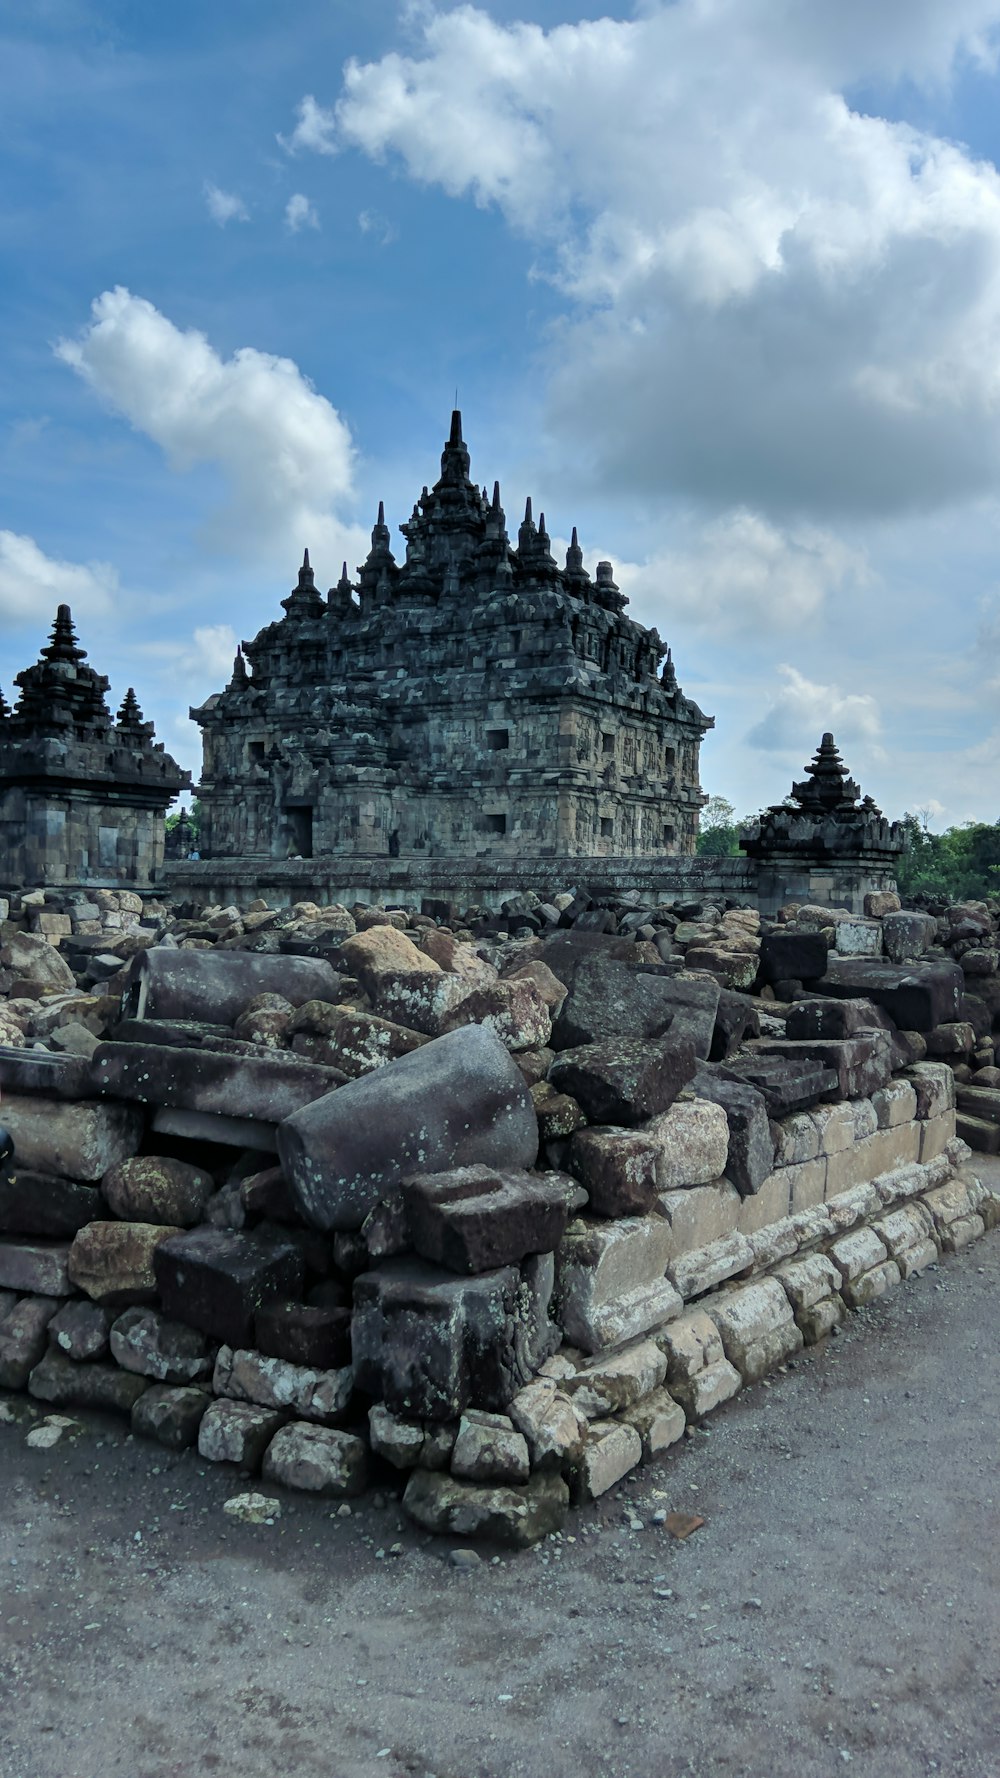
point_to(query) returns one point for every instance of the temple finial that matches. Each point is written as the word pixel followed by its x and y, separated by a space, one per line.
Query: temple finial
pixel 455 436
pixel 381 513
pixel 63 644
pixel 496 496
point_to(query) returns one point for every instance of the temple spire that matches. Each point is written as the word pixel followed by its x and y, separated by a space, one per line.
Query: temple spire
pixel 63 644
pixel 304 600
pixel 130 717
pixel 241 678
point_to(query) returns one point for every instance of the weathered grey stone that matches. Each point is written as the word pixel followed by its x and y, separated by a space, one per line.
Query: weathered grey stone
pixel 514 1009
pixel 907 935
pixel 488 1449
pixel 23 1338
pixel 169 1415
pixel 610 1450
pixel 304 1333
pixel 361 1042
pixel 700 1214
pixel 750 1156
pixel 57 1379
pixel 517 1516
pixel 475 1219
pixel 757 1328
pixel 618 1170
pixel 82 1330
pixel 165 983
pixel 318 1460
pixel 151 1188
pixel 856 1253
pixel 694 1273
pixel 616 1380
pixel 400 1442
pixel 321 1396
pixel 78 1141
pixel 31 959
pixel 611 999
pixel 217 1280
pixel 659 1420
pixel 234 1432
pixel 254 1085
pixel 610 1282
pixel 43 1204
pixel 456 1102
pixel 692 1140
pixel 551 1423
pixel 166 1351
pixel 624 1080
pixel 113 1261
pixel 37 1268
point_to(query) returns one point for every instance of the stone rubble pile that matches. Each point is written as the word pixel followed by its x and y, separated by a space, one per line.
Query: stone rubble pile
pixel 503 1202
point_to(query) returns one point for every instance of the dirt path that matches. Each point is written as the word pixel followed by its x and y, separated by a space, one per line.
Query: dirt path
pixel 839 1611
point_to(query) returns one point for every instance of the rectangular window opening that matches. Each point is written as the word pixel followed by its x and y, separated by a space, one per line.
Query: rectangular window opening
pixel 607 827
pixel 497 740
pixel 668 834
pixel 607 742
pixel 496 823
pixel 255 751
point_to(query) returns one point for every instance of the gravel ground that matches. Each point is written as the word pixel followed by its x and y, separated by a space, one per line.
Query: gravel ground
pixel 837 1610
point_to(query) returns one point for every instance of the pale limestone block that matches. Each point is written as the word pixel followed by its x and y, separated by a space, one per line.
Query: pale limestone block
pixel 689 1344
pixel 865 1118
pixel 915 1260
pixel 934 1084
pixel 488 1449
pixel 766 1206
pixel 859 938
pixel 776 1242
pixel 694 1273
pixel 895 1103
pixel 612 1448
pixel 756 1327
pixel 821 1319
pixel 550 1422
pixel 693 1143
pixel 708 1388
pixel 935 1134
pixel 903 1183
pixel 907 1227
pixel 856 1253
pixel 959 1233
pixel 808 1280
pixel 834 1126
pixel 610 1283
pixel 617 1380
pixel 807 1184
pixel 847 1209
pixel 701 1214
pixel 872 1284
pixel 798 1139
pixel 659 1420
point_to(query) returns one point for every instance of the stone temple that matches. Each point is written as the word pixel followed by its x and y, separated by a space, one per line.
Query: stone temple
pixel 475 700
pixel 82 794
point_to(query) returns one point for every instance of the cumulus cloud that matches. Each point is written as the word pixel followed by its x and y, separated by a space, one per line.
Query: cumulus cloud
pixel 801 711
pixel 300 213
pixel 746 573
pixel 314 129
pixel 32 584
pixel 284 451
pixel 372 222
pixel 796 303
pixel 224 206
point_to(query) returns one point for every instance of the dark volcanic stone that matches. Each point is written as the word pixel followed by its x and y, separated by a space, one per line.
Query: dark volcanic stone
pixel 792 956
pixel 475 1219
pixel 217 1279
pixel 58 1380
pixel 266 1086
pixel 304 1333
pixel 785 1084
pixel 45 1204
pixel 170 1416
pixel 917 996
pixel 833 1018
pixel 452 1103
pixel 612 999
pixel 736 1019
pixel 751 1148
pixel 625 1081
pixel 861 1063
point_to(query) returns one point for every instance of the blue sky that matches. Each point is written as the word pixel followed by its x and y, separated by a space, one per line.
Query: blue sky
pixel 718 281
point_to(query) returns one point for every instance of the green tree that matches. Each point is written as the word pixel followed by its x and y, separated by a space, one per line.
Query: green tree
pixel 719 830
pixel 962 863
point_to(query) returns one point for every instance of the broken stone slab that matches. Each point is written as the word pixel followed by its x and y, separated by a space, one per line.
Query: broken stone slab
pixel 476 1219
pixel 833 1018
pixel 517 1516
pixel 860 1063
pixel 376 955
pixel 304 1333
pixel 320 1396
pixel 488 1449
pixel 625 1080
pixel 708 1388
pixel 157 1188
pixel 551 1423
pixel 906 936
pixel 41 1071
pixel 178 1034
pixel 756 1326
pixel 610 1282
pixel 751 1149
pixel 694 1273
pixel 420 1001
pixel 57 1379
pixel 170 1415
pixel 164 983
pixel 606 1385
pixel 76 1141
pixel 32 960
pixel 35 1268
pixel 429 1344
pixel 808 1281
pixel 23 1338
pixel 917 996
pixel 617 1169
pixel 514 1009
pixel 226 1132
pixel 610 1450
pixel 659 1420
pixel 317 1460
pixel 785 1085
pixel 43 1204
pixel 112 1262
pixel 235 1432
pixel 361 1042
pixel 793 956
pixel 610 999
pixel 82 1330
pixel 456 1102
pixel 147 1343
pixel 736 1019
pixel 400 1442
pixel 264 1087
pixel 692 1141
pixel 217 1279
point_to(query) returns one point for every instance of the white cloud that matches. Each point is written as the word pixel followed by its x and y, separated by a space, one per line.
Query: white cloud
pixel 796 304
pixel 210 653
pixel 32 584
pixel 300 213
pixel 285 452
pixel 372 222
pixel 224 206
pixel 746 573
pixel 314 129
pixel 801 711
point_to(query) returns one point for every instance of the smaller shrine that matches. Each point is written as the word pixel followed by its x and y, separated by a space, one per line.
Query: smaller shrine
pixel 825 841
pixel 83 795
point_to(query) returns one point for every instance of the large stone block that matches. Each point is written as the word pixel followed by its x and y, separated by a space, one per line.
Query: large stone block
pixel 43 1204
pixel 58 1380
pixel 23 1338
pixel 381 953
pixel 610 1450
pixel 168 983
pixel 517 1516
pixel 489 1449
pixel 860 1063
pixel 610 1282
pixel 611 999
pixel 701 1214
pixel 82 1329
pixel 319 1395
pixel 262 1086
pixel 659 1420
pixel 318 1460
pixel 750 1156
pixel 147 1343
pixel 170 1415
pixel 756 1326
pixel 792 956
pixel 514 1010
pixel 429 1344
pixel 617 1168
pixel 217 1279
pixel 455 1102
pixel 917 996
pixel 906 936
pixel 832 1019
pixel 113 1261
pixel 696 1272
pixel 692 1140
pixel 421 1001
pixel 612 1381
pixel 304 1333
pixel 475 1219
pixel 155 1188
pixel 78 1141
pixel 234 1432
pixel 552 1425
pixel 625 1080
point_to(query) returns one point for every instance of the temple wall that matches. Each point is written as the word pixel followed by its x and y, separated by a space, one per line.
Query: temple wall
pixel 70 838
